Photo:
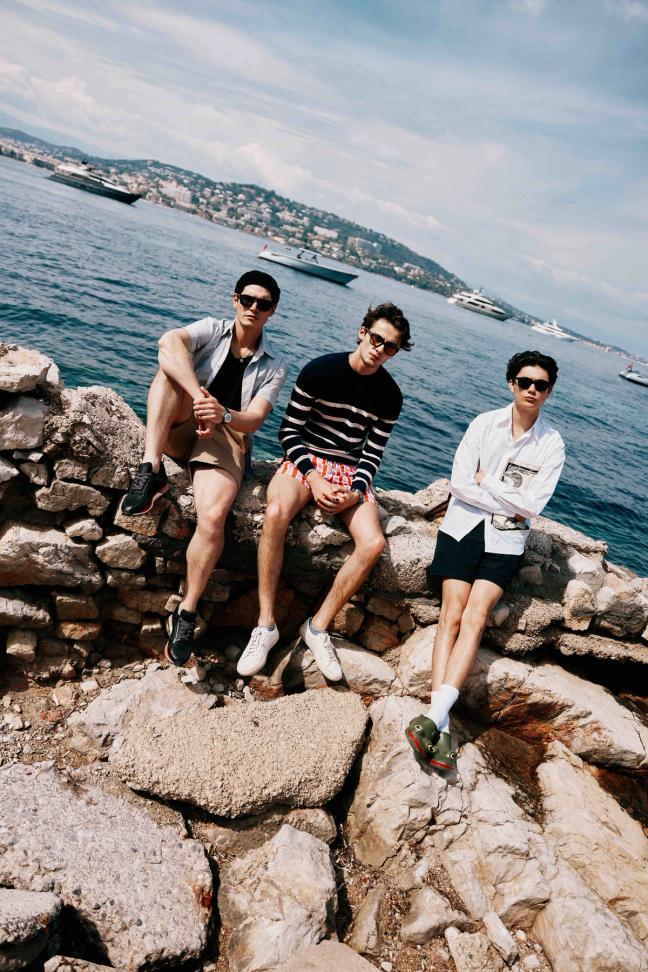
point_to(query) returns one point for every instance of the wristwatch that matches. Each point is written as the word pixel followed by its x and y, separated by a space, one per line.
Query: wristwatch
pixel 227 417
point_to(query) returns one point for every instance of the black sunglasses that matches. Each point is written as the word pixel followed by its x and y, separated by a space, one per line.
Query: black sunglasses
pixel 525 383
pixel 389 347
pixel 248 301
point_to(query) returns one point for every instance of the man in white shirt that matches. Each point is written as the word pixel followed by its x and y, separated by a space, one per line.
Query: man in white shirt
pixel 505 471
pixel 217 383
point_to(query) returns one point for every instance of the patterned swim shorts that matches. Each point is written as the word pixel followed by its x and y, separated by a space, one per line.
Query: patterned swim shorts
pixel 336 473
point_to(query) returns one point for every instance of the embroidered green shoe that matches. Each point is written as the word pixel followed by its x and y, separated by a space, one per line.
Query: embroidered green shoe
pixel 422 735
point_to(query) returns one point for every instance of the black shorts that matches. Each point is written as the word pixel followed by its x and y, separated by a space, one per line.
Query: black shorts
pixel 467 560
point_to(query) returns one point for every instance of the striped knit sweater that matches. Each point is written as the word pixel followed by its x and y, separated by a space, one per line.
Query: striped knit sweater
pixel 338 414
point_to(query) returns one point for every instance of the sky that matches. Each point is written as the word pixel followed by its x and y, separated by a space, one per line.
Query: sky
pixel 505 139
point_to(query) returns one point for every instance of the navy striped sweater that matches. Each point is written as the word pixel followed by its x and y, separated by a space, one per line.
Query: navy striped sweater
pixel 338 414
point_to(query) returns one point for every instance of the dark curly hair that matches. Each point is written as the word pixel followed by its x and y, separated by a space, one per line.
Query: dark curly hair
pixel 525 358
pixel 394 316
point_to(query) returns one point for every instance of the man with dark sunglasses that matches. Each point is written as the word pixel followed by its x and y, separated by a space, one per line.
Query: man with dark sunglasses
pixel 505 471
pixel 338 421
pixel 217 383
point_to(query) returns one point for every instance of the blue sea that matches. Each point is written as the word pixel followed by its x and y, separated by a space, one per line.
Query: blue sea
pixel 93 283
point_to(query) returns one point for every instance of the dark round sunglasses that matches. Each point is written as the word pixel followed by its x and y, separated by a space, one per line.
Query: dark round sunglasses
pixel 389 347
pixel 525 383
pixel 247 301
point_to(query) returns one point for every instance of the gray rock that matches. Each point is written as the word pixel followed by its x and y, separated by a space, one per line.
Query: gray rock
pixel 237 837
pixel 364 672
pixel 21 424
pixel 63 963
pixel 402 566
pixel 36 472
pixel 140 889
pixel 43 555
pixel 395 798
pixel 551 703
pixel 472 953
pixel 599 646
pixel 577 931
pixel 366 935
pixel 277 899
pixel 160 694
pixel 415 663
pixel 61 495
pixel 22 611
pixel 241 760
pixel 71 469
pixel 27 919
pixel 120 550
pixel 429 915
pixel 84 528
pixel 324 958
pixel 75 607
pixel 21 644
pixel 7 470
pixel 22 369
pixel 500 937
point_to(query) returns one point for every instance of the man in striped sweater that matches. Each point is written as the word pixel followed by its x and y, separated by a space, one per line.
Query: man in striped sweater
pixel 338 421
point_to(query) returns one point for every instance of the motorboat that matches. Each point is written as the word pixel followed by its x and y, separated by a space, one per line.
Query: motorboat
pixel 553 329
pixel 307 262
pixel 636 377
pixel 479 303
pixel 82 176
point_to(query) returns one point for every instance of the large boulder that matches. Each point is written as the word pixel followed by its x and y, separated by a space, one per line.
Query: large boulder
pixel 577 931
pixel 294 751
pixel 395 798
pixel 136 890
pixel 415 662
pixel 602 842
pixel 21 369
pixel 277 899
pixel 544 702
pixel 364 671
pixel 44 555
pixel 27 919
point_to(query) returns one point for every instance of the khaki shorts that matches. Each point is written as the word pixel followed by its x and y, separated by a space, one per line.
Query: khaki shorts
pixel 225 450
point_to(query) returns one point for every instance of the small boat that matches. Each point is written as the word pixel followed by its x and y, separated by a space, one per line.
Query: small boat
pixel 553 329
pixel 82 177
pixel 629 374
pixel 479 303
pixel 307 262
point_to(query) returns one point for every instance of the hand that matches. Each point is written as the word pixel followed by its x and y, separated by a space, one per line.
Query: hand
pixel 327 496
pixel 479 475
pixel 208 411
pixel 348 498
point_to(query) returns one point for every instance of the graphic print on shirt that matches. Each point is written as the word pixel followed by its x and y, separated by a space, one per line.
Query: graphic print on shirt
pixel 520 477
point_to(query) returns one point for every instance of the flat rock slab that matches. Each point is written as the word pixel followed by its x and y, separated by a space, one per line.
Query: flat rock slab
pixel 26 920
pixel 276 899
pixel 62 963
pixel 141 891
pixel 244 759
pixel 237 837
pixel 22 369
pixel 160 694
pixel 325 957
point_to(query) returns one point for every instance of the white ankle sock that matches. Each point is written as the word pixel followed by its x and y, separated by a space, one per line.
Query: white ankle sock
pixel 442 701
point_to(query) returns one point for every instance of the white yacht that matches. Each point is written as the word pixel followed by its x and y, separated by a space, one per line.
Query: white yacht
pixel 307 262
pixel 81 176
pixel 475 300
pixel 553 329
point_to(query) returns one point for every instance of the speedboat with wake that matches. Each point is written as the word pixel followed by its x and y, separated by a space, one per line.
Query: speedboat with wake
pixel 636 377
pixel 307 262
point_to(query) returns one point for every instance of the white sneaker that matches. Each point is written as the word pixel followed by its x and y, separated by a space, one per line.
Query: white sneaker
pixel 262 641
pixel 324 654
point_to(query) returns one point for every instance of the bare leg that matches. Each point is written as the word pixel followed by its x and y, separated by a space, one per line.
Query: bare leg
pixel 285 498
pixel 363 524
pixel 483 598
pixel 214 492
pixel 454 596
pixel 168 405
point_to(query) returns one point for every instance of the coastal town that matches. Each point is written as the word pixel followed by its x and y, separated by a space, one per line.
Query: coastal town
pixel 265 213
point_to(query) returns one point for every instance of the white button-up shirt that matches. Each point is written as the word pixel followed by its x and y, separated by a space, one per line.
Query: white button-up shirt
pixel 520 478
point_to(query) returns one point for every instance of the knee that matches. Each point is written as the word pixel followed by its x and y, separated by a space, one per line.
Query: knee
pixel 211 522
pixel 371 547
pixel 276 518
pixel 474 618
pixel 451 613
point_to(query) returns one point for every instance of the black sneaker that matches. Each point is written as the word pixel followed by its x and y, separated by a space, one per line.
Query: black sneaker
pixel 181 626
pixel 147 486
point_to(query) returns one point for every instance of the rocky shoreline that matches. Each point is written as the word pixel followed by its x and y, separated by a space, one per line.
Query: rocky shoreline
pixel 152 818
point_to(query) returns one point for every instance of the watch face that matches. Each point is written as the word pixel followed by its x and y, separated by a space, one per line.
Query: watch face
pixel 227 417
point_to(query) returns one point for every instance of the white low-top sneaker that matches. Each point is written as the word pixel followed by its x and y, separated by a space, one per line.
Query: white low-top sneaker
pixel 324 654
pixel 262 641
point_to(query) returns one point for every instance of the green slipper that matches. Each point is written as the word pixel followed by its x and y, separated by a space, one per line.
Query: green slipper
pixel 444 755
pixel 422 735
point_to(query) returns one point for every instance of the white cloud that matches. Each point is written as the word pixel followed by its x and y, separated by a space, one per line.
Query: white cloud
pixel 532 7
pixel 629 10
